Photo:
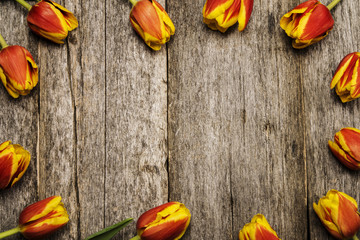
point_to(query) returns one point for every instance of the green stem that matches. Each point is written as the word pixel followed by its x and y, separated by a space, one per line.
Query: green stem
pixel 133 2
pixel 25 4
pixel 9 232
pixel 333 4
pixel 2 42
pixel 355 238
pixel 138 238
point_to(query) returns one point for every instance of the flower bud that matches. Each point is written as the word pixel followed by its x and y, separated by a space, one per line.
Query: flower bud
pixel 51 21
pixel 41 219
pixel 308 23
pixel 258 229
pixel 165 222
pixel 14 160
pixel 152 23
pixel 18 70
pixel 222 14
pixel 346 147
pixel 347 78
pixel 338 213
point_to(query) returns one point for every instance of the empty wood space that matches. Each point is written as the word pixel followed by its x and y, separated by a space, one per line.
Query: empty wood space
pixel 230 124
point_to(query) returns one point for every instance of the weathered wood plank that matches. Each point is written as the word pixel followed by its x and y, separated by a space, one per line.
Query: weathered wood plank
pixel 18 119
pixel 235 124
pixel 136 123
pixel 87 62
pixel 57 132
pixel 325 114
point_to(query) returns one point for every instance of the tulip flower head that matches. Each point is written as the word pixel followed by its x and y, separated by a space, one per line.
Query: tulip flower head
pixel 18 70
pixel 50 20
pixel 338 213
pixel 222 14
pixel 346 80
pixel 14 160
pixel 346 147
pixel 40 219
pixel 165 222
pixel 258 229
pixel 150 20
pixel 307 23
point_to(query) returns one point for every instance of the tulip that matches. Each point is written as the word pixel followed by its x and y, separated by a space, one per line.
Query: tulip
pixel 222 14
pixel 346 147
pixel 151 22
pixel 338 213
pixel 14 160
pixel 50 20
pixel 40 219
pixel 258 229
pixel 18 70
pixel 308 23
pixel 347 78
pixel 165 222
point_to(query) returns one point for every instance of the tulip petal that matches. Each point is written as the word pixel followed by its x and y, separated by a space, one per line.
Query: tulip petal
pixel 343 157
pixel 69 17
pixel 245 13
pixel 8 165
pixel 46 225
pixel 214 8
pixel 23 163
pixel 258 229
pixel 39 209
pixel 170 28
pixel 228 18
pixel 349 140
pixel 344 64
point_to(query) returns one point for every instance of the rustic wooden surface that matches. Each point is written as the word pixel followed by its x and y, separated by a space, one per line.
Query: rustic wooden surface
pixel 230 124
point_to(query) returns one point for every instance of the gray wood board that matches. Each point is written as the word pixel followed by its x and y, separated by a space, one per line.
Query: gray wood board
pixel 136 122
pixel 19 119
pixel 326 114
pixel 235 124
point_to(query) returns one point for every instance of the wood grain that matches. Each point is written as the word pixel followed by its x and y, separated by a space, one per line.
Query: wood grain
pixel 18 120
pixel 87 69
pixel 57 132
pixel 235 124
pixel 136 123
pixel 230 124
pixel 325 114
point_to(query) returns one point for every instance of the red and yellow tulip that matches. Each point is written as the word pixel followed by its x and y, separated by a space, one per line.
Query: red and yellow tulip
pixel 307 23
pixel 51 21
pixel 346 147
pixel 14 160
pixel 222 14
pixel 150 20
pixel 346 80
pixel 40 219
pixel 43 218
pixel 338 213
pixel 258 229
pixel 18 70
pixel 165 222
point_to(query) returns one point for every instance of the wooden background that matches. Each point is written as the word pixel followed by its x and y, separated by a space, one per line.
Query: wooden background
pixel 230 124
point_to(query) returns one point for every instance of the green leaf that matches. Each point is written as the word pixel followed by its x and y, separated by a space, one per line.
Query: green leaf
pixel 109 232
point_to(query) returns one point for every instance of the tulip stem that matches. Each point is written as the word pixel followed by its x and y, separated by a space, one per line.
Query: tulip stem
pixel 2 42
pixel 355 238
pixel 133 2
pixel 333 4
pixel 9 232
pixel 138 238
pixel 25 4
